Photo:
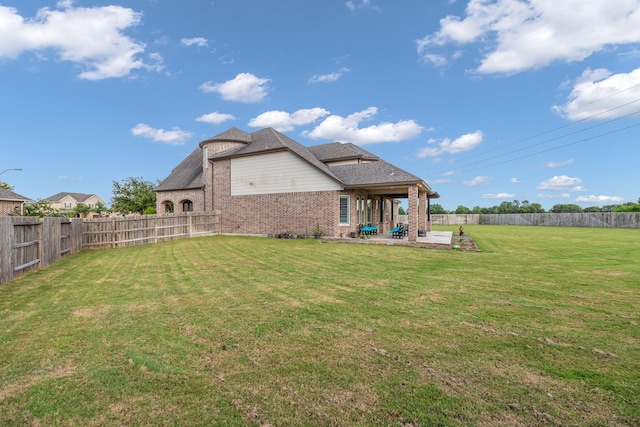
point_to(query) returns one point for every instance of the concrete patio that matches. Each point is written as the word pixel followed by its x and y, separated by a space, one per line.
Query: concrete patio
pixel 433 240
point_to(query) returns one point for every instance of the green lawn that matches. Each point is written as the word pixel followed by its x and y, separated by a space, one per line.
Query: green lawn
pixel 540 328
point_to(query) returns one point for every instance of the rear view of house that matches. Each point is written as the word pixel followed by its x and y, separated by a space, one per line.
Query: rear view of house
pixel 266 183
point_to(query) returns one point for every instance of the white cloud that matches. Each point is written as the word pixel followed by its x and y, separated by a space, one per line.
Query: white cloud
pixel 515 180
pixel 602 95
pixel 353 5
pixel 195 41
pixel 561 183
pixel 478 180
pixel 527 34
pixel 436 60
pixel 465 142
pixel 599 199
pixel 284 122
pixel 174 136
pixel 245 87
pixel 70 178
pixel 92 37
pixel 554 196
pixel 331 77
pixel 498 196
pixel 347 129
pixel 215 118
pixel 552 165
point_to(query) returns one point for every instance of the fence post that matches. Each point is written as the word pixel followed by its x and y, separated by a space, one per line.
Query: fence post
pixel 7 241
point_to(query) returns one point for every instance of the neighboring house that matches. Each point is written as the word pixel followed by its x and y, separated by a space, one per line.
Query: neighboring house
pixel 266 183
pixel 11 203
pixel 66 202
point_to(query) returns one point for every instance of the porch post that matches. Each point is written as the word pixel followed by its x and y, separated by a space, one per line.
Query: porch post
pixel 428 214
pixel 413 213
pixel 422 210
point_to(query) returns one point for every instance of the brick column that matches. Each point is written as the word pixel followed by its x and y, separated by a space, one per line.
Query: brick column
pixel 422 210
pixel 413 213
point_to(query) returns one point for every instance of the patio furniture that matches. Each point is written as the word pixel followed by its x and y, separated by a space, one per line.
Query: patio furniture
pixel 397 232
pixel 369 229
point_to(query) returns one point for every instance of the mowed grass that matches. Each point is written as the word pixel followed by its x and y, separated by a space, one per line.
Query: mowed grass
pixel 540 328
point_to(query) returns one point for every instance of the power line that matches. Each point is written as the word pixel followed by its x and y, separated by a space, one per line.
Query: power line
pixel 559 128
pixel 554 148
pixel 554 139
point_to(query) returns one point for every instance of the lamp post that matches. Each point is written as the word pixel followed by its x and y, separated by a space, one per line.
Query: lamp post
pixel 12 169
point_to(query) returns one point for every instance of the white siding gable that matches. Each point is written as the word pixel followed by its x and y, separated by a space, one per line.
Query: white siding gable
pixel 280 172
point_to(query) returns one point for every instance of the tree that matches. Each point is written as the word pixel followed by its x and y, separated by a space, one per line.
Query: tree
pixel 437 209
pixel 6 186
pixel 566 208
pixel 81 210
pixel 401 211
pixel 133 195
pixel 99 208
pixel 463 210
pixel 40 208
pixel 628 207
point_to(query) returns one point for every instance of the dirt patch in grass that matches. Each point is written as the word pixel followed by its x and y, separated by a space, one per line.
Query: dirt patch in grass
pixel 21 386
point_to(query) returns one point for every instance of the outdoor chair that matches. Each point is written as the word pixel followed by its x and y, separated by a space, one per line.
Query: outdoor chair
pixel 397 232
pixel 369 229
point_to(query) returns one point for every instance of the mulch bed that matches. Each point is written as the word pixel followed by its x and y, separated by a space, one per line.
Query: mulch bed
pixel 464 242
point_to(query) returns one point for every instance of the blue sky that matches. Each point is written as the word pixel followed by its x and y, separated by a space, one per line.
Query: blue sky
pixel 487 100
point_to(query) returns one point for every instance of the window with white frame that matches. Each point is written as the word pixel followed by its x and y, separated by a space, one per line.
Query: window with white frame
pixel 344 210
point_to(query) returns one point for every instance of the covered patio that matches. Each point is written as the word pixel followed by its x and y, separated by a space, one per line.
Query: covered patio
pixel 376 210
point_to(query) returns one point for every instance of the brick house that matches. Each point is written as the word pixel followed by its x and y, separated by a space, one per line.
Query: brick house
pixel 266 183
pixel 11 203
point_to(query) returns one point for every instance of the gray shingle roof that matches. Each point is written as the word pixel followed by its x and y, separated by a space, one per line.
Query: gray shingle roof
pixel 11 196
pixel 372 173
pixel 187 175
pixel 335 151
pixel 78 197
pixel 233 134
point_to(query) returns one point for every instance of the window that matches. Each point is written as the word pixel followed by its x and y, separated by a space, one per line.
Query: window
pixel 344 210
pixel 67 205
pixel 187 206
pixel 205 158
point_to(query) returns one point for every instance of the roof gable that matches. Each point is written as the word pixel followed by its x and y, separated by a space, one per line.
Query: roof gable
pixel 269 140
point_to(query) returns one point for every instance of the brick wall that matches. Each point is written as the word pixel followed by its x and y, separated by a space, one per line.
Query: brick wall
pixel 197 197
pixel 8 207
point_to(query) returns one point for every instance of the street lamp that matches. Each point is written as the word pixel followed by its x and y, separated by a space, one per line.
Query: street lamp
pixel 12 169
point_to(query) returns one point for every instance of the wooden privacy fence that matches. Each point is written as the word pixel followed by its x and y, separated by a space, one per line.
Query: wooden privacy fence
pixel 27 243
pixel 454 219
pixel 581 219
pixel 128 231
